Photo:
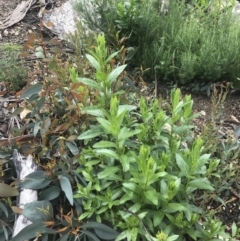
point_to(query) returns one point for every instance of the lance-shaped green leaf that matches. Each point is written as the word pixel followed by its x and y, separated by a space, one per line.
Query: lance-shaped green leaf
pixel 127 108
pixel 94 132
pixel 67 188
pixel 4 209
pixel 31 230
pixel 91 235
pixel 182 165
pixel 34 89
pixel 38 210
pixel 72 147
pixel 50 193
pixel 108 153
pixel 115 73
pixel 111 57
pixel 93 61
pixel 38 106
pixel 125 161
pixel 174 207
pixel 151 195
pixel 91 83
pixel 35 180
pixel 102 231
pixel 108 172
pixel 36 184
pixel 199 183
pixel 37 127
pixel 18 111
pixel 93 110
pixel 126 133
pixel 104 144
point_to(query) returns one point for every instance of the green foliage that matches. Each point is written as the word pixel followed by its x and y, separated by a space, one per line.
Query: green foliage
pixel 140 174
pixel 54 113
pixel 224 146
pixel 195 42
pixel 12 71
pixel 194 46
pixel 142 170
pixel 131 23
pixel 113 170
pixel 79 41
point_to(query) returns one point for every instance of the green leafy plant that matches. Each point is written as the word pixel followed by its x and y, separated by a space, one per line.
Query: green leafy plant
pixel 105 76
pixel 54 114
pixel 189 55
pixel 176 46
pixel 132 23
pixel 141 168
pixel 143 173
pixel 134 170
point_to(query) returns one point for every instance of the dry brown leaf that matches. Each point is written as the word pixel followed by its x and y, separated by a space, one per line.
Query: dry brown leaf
pixel 234 118
pixel 24 113
pixel 17 209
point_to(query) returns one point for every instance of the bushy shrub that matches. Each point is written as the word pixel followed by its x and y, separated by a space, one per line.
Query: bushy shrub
pixel 12 71
pixel 194 42
pixel 142 167
pixel 134 169
pixel 131 23
pixel 196 45
pixel 54 115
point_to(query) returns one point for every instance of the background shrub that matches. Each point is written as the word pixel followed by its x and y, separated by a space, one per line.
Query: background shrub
pixel 12 72
pixel 130 23
pixel 193 43
pixel 195 46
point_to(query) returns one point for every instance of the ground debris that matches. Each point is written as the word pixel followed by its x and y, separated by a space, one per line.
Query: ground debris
pixel 18 14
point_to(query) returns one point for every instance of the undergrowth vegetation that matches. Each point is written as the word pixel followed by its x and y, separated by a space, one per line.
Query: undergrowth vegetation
pixel 194 43
pixel 13 75
pixel 115 165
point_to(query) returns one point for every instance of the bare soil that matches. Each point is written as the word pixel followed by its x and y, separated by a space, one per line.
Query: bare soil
pixel 19 32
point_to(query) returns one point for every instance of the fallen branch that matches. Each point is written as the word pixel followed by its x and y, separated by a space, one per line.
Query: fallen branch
pixel 23 166
pixel 18 14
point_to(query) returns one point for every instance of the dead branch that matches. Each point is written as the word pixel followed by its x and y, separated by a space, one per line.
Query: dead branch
pixel 23 166
pixel 18 14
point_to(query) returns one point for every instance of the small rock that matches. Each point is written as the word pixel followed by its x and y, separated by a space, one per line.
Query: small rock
pixel 203 113
pixel 5 32
pixel 30 31
pixel 5 104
